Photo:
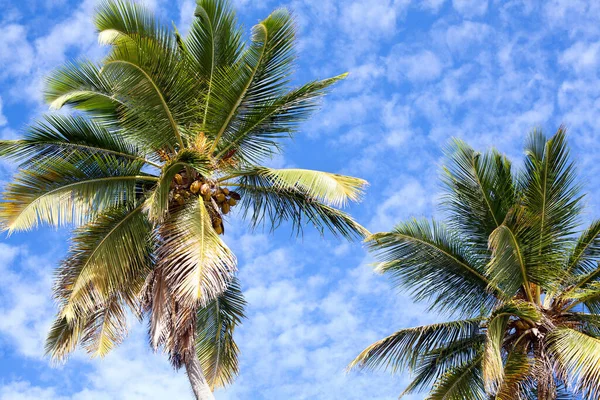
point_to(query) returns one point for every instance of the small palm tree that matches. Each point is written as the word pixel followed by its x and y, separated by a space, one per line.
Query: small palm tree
pixel 167 137
pixel 511 263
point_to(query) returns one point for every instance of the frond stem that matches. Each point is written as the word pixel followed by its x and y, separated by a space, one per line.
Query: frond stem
pixel 160 96
pixel 239 100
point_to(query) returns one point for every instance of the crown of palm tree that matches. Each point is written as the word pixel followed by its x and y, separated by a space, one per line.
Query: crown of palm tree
pixel 511 261
pixel 167 137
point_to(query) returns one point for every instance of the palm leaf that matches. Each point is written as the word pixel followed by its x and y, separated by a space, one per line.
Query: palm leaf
pixel 462 382
pixel 213 42
pixel 106 327
pixel 403 348
pixel 331 189
pixel 255 137
pixel 551 202
pixel 83 86
pixel 493 362
pixel 431 262
pixel 108 256
pixel 64 192
pixel 197 264
pixel 263 200
pixel 259 77
pixel 479 192
pixel 66 138
pixel 508 266
pixel 586 253
pixel 63 337
pixel 577 357
pixel 118 21
pixel 433 364
pixel 217 351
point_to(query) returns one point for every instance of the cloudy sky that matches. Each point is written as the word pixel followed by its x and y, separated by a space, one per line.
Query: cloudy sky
pixel 421 72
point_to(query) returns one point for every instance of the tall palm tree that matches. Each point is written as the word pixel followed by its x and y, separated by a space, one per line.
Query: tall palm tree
pixel 513 265
pixel 166 137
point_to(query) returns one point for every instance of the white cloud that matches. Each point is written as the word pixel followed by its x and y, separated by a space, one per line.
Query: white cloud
pixel 16 54
pixel 470 8
pixel 22 390
pixel 362 19
pixel 396 120
pixel 433 5
pixel 27 308
pixel 460 37
pixel 417 67
pixel 409 200
pixel 582 57
pixel 3 120
pixel 186 15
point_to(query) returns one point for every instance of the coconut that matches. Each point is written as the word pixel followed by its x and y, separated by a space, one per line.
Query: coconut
pixel 195 187
pixel 220 197
pixel 179 199
pixel 219 229
pixel 225 191
pixel 225 207
pixel 205 189
pixel 232 202
pixel 235 195
pixel 178 179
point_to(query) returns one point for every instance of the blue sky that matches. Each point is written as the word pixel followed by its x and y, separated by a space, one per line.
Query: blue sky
pixel 421 72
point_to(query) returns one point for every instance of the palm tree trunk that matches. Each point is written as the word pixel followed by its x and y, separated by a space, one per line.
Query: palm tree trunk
pixel 541 390
pixel 197 380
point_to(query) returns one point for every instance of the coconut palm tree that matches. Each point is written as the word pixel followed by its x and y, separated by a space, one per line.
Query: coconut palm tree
pixel 166 136
pixel 513 266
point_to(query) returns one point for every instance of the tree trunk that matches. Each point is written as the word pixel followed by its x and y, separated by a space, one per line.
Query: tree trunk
pixel 197 380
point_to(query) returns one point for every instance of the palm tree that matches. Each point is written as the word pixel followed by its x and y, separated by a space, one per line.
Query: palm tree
pixel 512 264
pixel 167 136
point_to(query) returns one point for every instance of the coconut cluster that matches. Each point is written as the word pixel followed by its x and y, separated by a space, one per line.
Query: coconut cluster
pixel 220 198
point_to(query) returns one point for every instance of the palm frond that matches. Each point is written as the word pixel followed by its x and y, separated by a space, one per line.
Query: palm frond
pixel 586 253
pixel 577 358
pixel 495 366
pixel 108 256
pixel 259 77
pixel 479 192
pixel 197 264
pixel 508 266
pixel 67 138
pixel 588 295
pixel 331 189
pixel 255 137
pixel 462 382
pixel 265 200
pixel 431 262
pixel 216 348
pixel 156 89
pixel 403 348
pixel 118 21
pixel 214 38
pixel 63 337
pixel 551 200
pixel 65 192
pixel 83 86
pixel 432 365
pixel 517 368
pixel 213 43
pixel 106 327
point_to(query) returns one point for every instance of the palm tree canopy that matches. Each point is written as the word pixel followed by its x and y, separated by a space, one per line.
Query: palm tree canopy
pixel 514 265
pixel 168 135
